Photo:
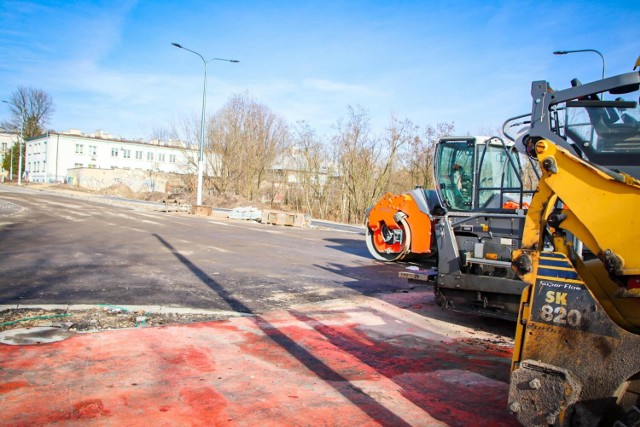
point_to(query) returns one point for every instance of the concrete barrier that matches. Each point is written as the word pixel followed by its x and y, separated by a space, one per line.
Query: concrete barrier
pixel 285 218
pixel 201 210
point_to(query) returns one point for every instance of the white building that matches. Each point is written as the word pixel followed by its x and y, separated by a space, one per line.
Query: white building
pixel 50 157
pixel 7 140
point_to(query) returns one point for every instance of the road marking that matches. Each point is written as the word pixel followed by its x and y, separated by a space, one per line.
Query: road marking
pixel 266 244
pixel 64 205
pixel 147 215
pixel 136 229
pixel 219 223
pixel 217 249
pixel 148 221
pixel 70 218
pixel 119 215
pixel 264 231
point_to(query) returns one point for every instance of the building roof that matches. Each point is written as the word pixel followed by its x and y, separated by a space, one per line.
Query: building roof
pixel 104 136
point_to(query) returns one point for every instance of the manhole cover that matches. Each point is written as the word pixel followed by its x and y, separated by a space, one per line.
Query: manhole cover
pixel 35 335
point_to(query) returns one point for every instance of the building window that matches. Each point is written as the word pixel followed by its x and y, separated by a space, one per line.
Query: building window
pixel 4 146
pixel 161 157
pixel 91 166
pixel 138 155
pixel 77 165
pixel 79 149
pixel 92 150
pixel 126 154
pixel 150 156
pixel 114 152
pixel 172 158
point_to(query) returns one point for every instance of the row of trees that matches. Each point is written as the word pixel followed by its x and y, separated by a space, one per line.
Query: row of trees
pixel 257 155
pixel 29 113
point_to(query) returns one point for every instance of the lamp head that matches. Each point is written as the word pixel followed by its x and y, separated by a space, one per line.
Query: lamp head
pixel 177 45
pixel 560 52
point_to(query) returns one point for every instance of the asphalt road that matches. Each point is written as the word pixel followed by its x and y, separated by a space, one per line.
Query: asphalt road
pixel 57 249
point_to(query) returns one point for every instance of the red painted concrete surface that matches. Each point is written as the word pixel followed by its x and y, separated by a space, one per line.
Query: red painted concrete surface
pixel 359 362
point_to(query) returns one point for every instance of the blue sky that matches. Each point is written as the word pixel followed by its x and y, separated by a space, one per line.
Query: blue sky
pixel 110 64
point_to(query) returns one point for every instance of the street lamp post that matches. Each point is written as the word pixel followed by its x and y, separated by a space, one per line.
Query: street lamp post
pixel 20 148
pixel 564 52
pixel 204 106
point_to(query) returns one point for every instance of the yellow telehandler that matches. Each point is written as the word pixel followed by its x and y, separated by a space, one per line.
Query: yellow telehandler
pixel 576 358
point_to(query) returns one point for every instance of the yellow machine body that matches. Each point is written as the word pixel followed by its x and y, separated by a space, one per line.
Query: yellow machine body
pixel 576 349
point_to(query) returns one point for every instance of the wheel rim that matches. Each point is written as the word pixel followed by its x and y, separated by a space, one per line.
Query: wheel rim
pixel 384 251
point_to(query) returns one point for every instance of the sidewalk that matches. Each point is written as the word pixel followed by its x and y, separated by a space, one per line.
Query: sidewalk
pixel 362 361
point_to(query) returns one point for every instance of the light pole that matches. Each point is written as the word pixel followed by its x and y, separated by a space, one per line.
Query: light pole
pixel 204 106
pixel 564 52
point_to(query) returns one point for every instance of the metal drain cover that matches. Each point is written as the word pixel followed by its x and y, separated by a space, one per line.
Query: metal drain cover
pixel 35 335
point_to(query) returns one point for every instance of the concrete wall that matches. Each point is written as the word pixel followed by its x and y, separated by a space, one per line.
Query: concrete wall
pixel 137 180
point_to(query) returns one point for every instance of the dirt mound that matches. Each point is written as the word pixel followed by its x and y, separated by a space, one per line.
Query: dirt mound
pixel 152 196
pixel 120 190
pixel 231 201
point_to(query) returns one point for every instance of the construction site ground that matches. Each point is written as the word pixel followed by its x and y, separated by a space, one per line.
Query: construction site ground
pixel 377 351
pixel 391 361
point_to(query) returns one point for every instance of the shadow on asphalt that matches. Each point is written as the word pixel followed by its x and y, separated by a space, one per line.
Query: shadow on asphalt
pixel 363 401
pixel 350 246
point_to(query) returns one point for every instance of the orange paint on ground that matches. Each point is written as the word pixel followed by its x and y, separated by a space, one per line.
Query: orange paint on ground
pixel 364 362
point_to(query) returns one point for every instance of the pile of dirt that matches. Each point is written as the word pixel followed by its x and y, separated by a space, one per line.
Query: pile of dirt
pixel 96 319
pixel 120 190
pixel 229 201
pixel 151 196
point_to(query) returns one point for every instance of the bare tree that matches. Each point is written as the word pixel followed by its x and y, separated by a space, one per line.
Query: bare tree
pixel 356 151
pixel 245 138
pixel 392 177
pixel 315 174
pixel 418 159
pixel 372 165
pixel 31 110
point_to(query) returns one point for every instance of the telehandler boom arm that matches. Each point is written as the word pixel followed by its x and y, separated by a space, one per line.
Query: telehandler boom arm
pixel 577 341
